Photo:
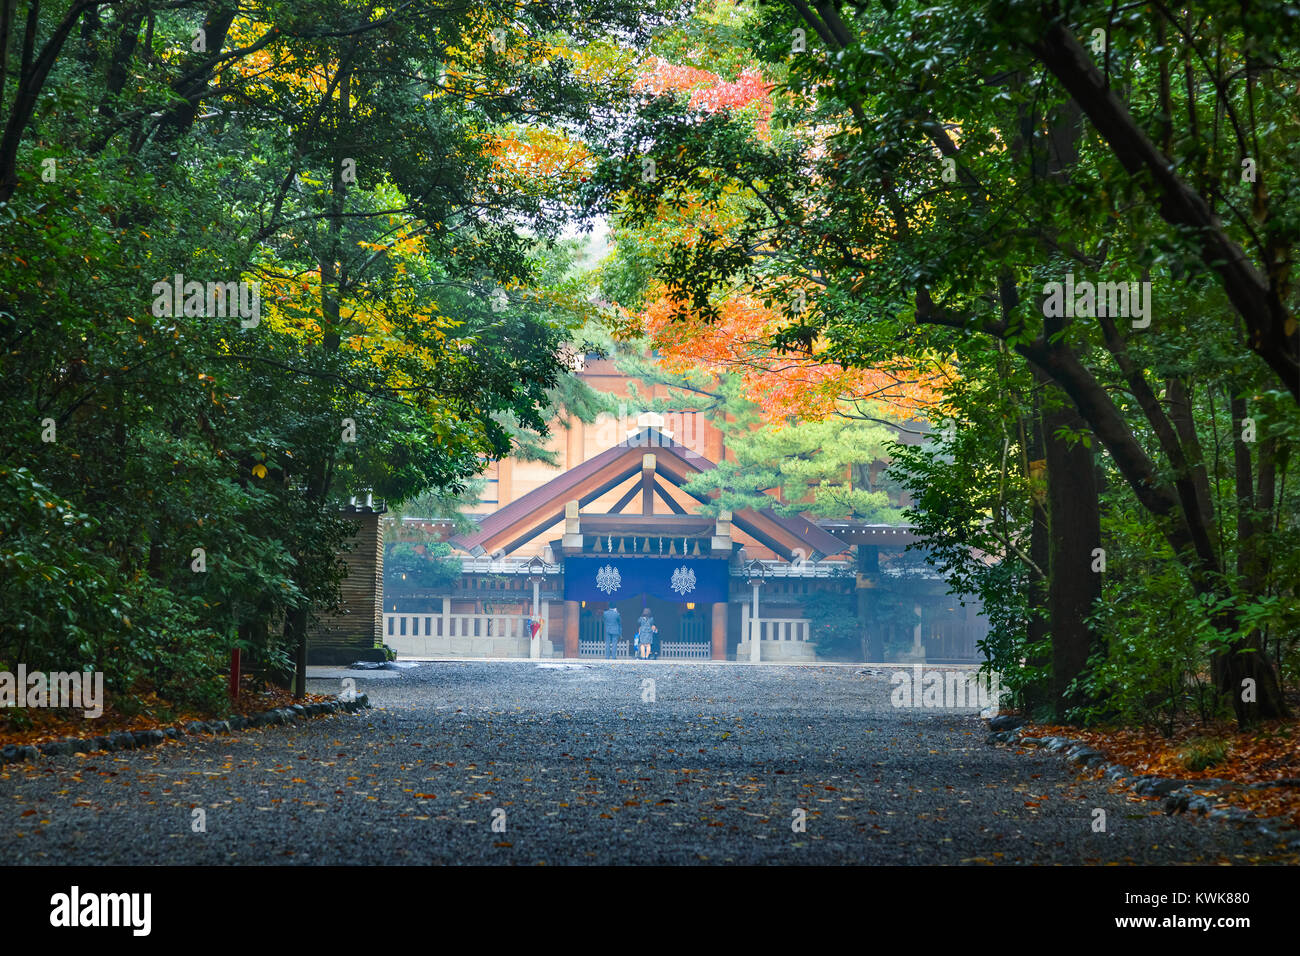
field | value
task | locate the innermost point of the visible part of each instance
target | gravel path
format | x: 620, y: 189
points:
x: 580, y: 767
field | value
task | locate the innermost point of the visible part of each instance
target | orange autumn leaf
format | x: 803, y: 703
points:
x: 784, y: 385
x: 708, y: 91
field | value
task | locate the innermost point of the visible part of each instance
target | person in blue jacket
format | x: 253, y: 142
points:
x: 613, y: 631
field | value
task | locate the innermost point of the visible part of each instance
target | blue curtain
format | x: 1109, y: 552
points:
x: 670, y: 579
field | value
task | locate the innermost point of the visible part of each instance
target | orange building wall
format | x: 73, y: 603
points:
x: 510, y: 479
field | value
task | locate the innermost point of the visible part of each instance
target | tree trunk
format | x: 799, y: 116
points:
x: 295, y: 627
x: 872, y: 639
x: 1073, y: 585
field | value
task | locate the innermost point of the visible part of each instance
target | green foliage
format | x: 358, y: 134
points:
x: 970, y: 508
x: 929, y: 172
x: 824, y: 468
x: 834, y: 627
x: 819, y: 468
x: 345, y: 158
x: 428, y: 565
x: 1203, y: 753
x: 1152, y: 665
x: 438, y: 505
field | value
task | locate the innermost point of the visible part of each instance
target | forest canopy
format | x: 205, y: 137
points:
x: 259, y: 259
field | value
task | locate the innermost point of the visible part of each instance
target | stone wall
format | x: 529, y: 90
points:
x: 433, y: 645
x: 789, y: 651
x: 355, y: 631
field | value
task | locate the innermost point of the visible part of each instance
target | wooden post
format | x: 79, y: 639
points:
x: 720, y: 631
x: 871, y: 640
x: 572, y: 527
x: 234, y: 674
x: 647, y: 484
x: 535, y: 640
x: 570, y: 628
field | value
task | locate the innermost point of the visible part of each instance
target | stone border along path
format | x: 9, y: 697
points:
x: 1180, y: 795
x: 133, y: 739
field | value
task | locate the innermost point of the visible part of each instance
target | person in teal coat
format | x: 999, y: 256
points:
x: 645, y: 632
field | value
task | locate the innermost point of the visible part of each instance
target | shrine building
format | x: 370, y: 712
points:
x: 611, y: 524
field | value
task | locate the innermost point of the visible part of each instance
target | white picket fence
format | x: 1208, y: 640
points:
x: 455, y: 625
x: 597, y: 649
x: 464, y: 635
x: 685, y: 651
x: 774, y: 628
x: 668, y: 650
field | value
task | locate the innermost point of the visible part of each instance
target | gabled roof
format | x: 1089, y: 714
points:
x: 530, y: 515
